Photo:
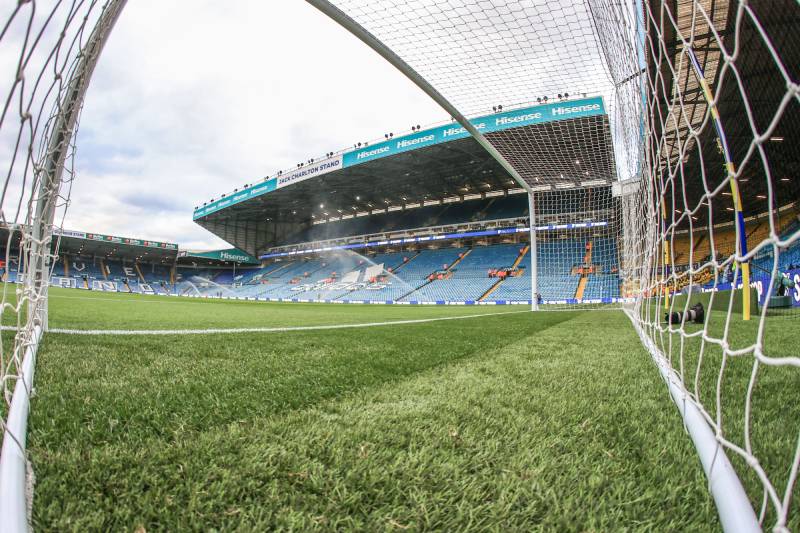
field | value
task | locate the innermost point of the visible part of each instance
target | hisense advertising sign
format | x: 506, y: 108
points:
x: 539, y: 114
x: 232, y: 255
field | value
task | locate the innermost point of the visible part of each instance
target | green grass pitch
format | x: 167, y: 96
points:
x: 515, y: 422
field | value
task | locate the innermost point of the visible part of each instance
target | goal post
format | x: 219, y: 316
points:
x: 60, y: 48
x: 534, y: 258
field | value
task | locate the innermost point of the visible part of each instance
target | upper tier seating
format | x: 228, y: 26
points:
x: 513, y: 206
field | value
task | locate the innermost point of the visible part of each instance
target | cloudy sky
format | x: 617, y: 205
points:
x: 194, y: 98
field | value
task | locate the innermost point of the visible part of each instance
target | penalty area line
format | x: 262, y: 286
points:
x: 285, y: 329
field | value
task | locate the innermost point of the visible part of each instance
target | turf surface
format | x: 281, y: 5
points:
x: 74, y: 309
x: 522, y: 422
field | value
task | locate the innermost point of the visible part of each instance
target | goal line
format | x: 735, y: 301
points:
x: 212, y: 331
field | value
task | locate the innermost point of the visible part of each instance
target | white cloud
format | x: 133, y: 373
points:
x: 192, y: 99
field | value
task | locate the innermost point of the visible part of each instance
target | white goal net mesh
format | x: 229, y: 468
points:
x: 701, y: 103
x: 711, y: 230
x: 48, y: 50
x: 500, y: 56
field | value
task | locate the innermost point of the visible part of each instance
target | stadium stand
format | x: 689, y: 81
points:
x: 602, y: 286
x: 10, y: 270
x: 788, y: 260
x: 581, y: 267
x: 513, y: 289
x: 483, y: 258
x: 157, y: 277
x: 459, y: 274
x: 572, y: 267
x: 480, y: 272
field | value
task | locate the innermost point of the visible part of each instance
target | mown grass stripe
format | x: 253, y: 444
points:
x: 525, y: 423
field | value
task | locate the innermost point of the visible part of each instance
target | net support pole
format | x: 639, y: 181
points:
x: 730, y: 169
x: 347, y: 22
x: 534, y: 266
x: 665, y: 245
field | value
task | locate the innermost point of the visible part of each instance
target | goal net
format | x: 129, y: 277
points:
x: 712, y: 232
x: 697, y: 139
x: 48, y: 50
x: 501, y: 56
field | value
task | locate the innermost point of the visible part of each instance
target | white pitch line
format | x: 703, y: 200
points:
x: 266, y: 330
x: 120, y: 300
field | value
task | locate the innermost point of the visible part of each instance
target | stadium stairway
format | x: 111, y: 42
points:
x: 491, y: 289
x: 283, y: 267
x: 428, y: 281
x: 522, y: 255
x: 500, y: 281
x: 457, y: 261
x: 412, y: 291
x: 587, y: 260
x: 404, y: 263
x: 581, y: 286
x: 700, y: 239
x: 513, y: 288
x: 139, y: 272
